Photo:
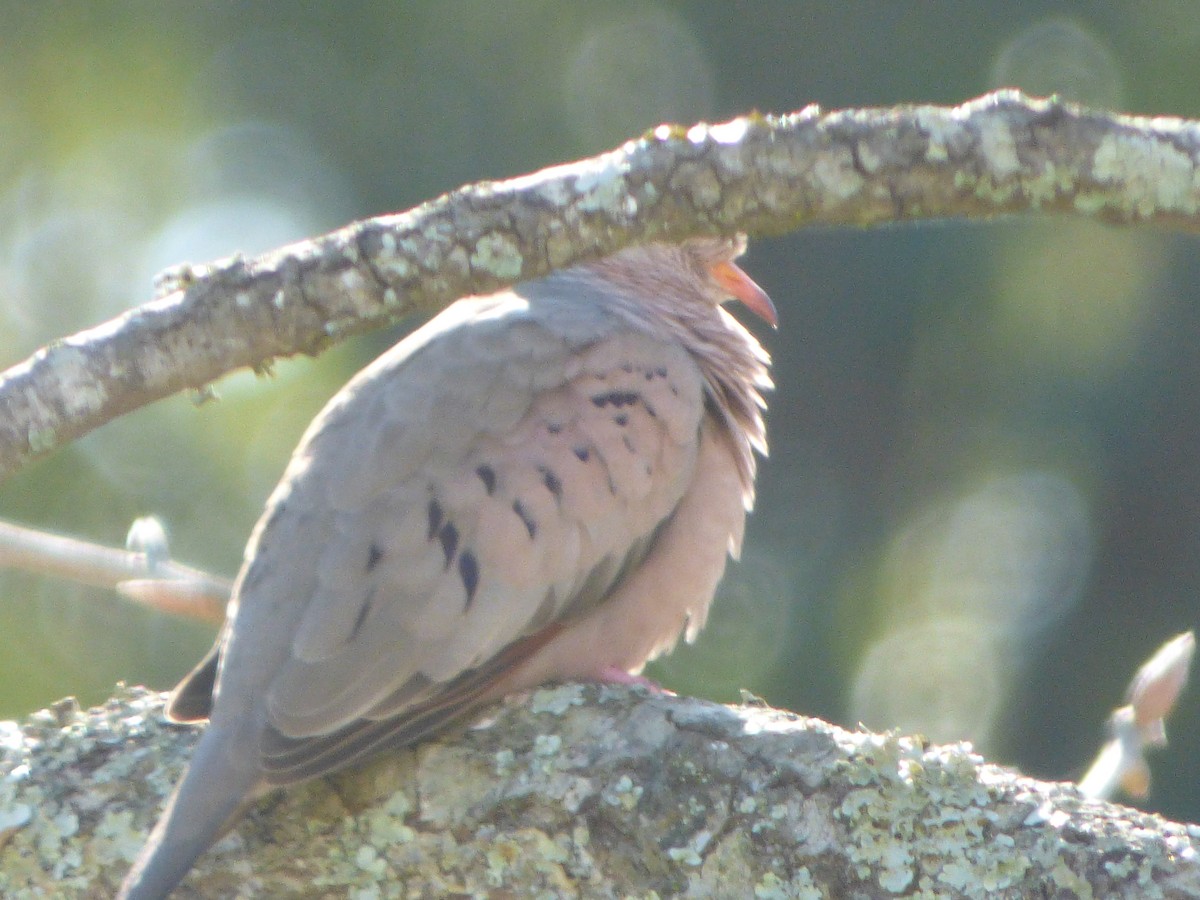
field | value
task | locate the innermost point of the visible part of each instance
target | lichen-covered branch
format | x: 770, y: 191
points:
x: 1002, y: 153
x: 587, y: 791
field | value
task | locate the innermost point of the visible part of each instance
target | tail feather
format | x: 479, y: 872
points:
x: 221, y: 781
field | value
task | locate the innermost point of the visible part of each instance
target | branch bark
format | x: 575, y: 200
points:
x: 587, y: 791
x: 1003, y: 153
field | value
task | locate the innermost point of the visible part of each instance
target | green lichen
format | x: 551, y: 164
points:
x: 499, y: 255
x: 1161, y: 176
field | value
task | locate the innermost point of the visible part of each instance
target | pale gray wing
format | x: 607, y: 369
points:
x: 460, y: 497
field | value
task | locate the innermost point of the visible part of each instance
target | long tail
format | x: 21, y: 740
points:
x: 220, y: 782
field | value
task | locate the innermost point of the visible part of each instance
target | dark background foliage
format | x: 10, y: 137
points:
x: 982, y: 507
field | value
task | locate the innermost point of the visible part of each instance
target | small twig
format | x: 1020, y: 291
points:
x: 1121, y: 764
x: 164, y: 585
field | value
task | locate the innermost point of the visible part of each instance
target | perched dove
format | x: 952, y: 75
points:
x: 539, y: 484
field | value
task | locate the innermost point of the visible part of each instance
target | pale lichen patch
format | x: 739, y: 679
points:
x: 392, y: 266
x: 999, y: 149
x: 1162, y: 177
x: 556, y: 700
x: 600, y: 186
x: 497, y: 254
x: 624, y: 793
x: 351, y: 281
x: 943, y: 133
x: 42, y: 439
x: 547, y: 744
x: 699, y: 182
x: 836, y: 178
x: 70, y: 367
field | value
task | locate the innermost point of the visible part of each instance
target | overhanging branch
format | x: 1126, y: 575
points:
x: 1003, y: 153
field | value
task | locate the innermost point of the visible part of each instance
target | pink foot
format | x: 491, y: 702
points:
x: 617, y: 675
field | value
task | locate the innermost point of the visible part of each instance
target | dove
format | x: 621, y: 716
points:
x: 539, y: 484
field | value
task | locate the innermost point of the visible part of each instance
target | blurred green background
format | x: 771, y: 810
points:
x: 982, y: 508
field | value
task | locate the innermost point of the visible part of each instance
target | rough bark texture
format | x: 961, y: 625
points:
x: 587, y: 791
x: 1003, y: 153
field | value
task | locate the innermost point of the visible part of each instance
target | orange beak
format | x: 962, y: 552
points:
x: 742, y: 287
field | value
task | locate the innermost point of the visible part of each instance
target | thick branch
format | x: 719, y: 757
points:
x: 763, y: 175
x: 586, y: 791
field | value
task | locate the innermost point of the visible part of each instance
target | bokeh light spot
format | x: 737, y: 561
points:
x: 632, y: 72
x: 1060, y: 56
x: 940, y: 678
x: 1075, y: 297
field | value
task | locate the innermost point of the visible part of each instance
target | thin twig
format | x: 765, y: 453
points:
x: 167, y: 585
x: 1121, y: 764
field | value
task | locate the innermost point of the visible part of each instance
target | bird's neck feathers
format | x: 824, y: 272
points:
x: 675, y: 302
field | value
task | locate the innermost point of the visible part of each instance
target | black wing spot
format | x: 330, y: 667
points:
x: 435, y: 518
x: 360, y: 618
x: 627, y: 368
x: 582, y: 454
x: 661, y: 371
x: 449, y: 538
x: 628, y: 444
x: 554, y: 427
x: 621, y: 419
x: 616, y: 399
x: 526, y: 519
x: 374, y: 555
x: 712, y: 407
x: 468, y: 571
x: 488, y: 476
x: 552, y: 482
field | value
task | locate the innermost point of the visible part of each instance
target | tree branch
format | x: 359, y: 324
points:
x: 1002, y: 153
x: 587, y: 791
x: 166, y: 585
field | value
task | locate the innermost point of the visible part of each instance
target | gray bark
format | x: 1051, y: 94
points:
x: 587, y: 791
x: 1002, y: 153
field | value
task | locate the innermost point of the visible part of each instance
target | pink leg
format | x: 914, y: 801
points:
x: 617, y: 675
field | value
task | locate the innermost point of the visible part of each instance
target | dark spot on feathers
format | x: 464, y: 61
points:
x: 553, y: 427
x: 374, y: 555
x: 449, y: 538
x: 435, y: 518
x: 468, y: 571
x: 363, y: 612
x: 488, y: 476
x: 661, y: 372
x: 616, y: 399
x: 712, y: 407
x: 627, y: 368
x: 621, y: 419
x: 526, y: 519
x: 359, y: 619
x: 552, y: 482
x: 628, y: 444
x: 582, y: 454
